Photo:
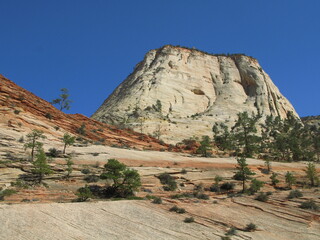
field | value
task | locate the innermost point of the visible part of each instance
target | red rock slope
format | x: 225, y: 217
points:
x: 20, y: 108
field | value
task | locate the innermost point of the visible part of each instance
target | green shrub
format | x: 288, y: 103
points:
x: 251, y: 227
x: 255, y: 186
x: 189, y: 220
x: 149, y: 197
x: 295, y: 194
x: 182, y: 195
x: 262, y: 197
x: 215, y: 188
x: 177, y: 209
x: 157, y: 200
x: 169, y: 181
x: 310, y: 204
x: 203, y: 196
x: 231, y: 231
x: 53, y: 152
x: 84, y: 194
x: 48, y: 115
x: 91, y: 178
x: 227, y: 186
x: 85, y: 171
x: 82, y: 130
x: 6, y: 192
x: 16, y: 111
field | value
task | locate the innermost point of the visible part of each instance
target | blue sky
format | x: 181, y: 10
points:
x: 91, y: 46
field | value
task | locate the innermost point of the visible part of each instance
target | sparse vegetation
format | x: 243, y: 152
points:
x: 84, y: 193
x: 310, y: 204
x: 157, y: 200
x: 262, y: 197
x: 91, y: 178
x: 295, y: 194
x: 85, y: 171
x: 177, y: 209
x: 251, y: 227
x: 6, y: 192
x: 168, y: 181
x: 53, y: 152
x: 189, y: 220
x: 82, y: 129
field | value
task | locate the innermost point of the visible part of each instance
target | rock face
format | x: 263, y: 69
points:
x: 177, y: 93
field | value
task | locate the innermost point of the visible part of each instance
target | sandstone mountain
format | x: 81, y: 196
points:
x: 176, y: 93
x: 21, y: 112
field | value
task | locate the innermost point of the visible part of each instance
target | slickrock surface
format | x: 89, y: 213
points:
x: 195, y: 90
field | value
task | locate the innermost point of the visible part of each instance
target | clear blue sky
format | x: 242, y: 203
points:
x: 91, y: 46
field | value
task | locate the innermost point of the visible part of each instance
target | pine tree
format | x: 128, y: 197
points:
x: 40, y: 166
x: 245, y: 133
x: 63, y: 101
x: 290, y: 179
x: 274, y: 180
x: 243, y: 172
x: 32, y: 141
x: 205, y: 146
x: 68, y: 140
x: 69, y: 168
x: 311, y: 173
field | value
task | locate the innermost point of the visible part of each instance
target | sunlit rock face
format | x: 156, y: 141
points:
x: 176, y: 93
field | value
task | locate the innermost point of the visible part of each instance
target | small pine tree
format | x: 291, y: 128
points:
x: 274, y: 180
x: 32, y: 141
x: 290, y: 179
x: 68, y: 140
x: 267, y: 163
x: 311, y: 173
x: 244, y: 172
x: 204, y: 146
x: 69, y: 168
x: 40, y: 166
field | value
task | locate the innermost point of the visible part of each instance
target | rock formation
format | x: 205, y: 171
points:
x: 176, y: 93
